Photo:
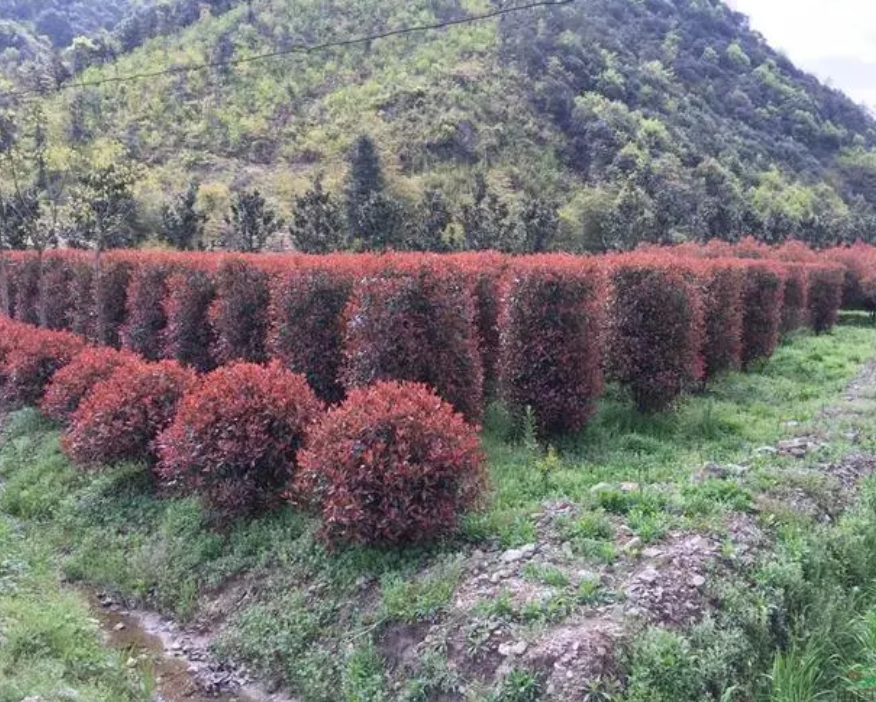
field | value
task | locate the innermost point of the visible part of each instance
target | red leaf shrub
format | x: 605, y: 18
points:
x: 83, y: 312
x: 71, y: 384
x: 143, y: 330
x: 57, y: 283
x: 416, y: 325
x: 307, y: 325
x: 122, y: 415
x: 393, y: 464
x: 111, y: 294
x: 188, y: 336
x: 551, y: 350
x: 239, y: 314
x: 722, y: 286
x: 859, y: 260
x: 655, y: 328
x: 795, y: 306
x: 825, y: 295
x: 34, y: 357
x: 26, y: 277
x: 762, y: 309
x: 236, y: 436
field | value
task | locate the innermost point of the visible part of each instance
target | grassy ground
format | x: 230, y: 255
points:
x: 50, y: 646
x: 317, y: 621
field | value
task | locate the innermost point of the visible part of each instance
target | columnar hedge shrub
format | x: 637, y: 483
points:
x: 551, y: 351
x: 722, y: 283
x: 236, y: 436
x: 762, y: 309
x: 26, y: 275
x: 121, y: 417
x: 825, y: 295
x: 56, y: 287
x: 859, y: 261
x: 795, y: 306
x: 33, y: 358
x: 143, y: 330
x: 655, y: 328
x: 71, y: 384
x: 416, y: 325
x: 188, y: 335
x: 83, y: 307
x: 111, y: 294
x: 239, y: 314
x: 307, y: 324
x: 394, y: 464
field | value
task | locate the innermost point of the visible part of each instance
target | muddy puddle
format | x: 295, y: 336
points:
x: 178, y: 662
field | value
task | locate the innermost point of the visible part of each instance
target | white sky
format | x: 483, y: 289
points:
x: 834, y: 39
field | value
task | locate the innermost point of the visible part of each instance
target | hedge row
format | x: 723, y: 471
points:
x: 536, y: 332
x: 392, y: 464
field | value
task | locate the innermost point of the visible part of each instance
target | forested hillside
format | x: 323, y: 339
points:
x: 594, y: 125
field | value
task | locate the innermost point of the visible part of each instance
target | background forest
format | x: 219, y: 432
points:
x: 590, y: 126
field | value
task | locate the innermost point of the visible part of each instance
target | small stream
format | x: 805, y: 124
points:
x: 178, y: 662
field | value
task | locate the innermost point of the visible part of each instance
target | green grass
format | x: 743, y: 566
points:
x: 50, y: 647
x: 313, y: 617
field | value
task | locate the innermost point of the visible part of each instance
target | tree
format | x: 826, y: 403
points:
x: 364, y: 182
x: 432, y: 222
x: 317, y: 225
x: 487, y: 222
x: 104, y: 209
x: 251, y: 222
x: 182, y: 225
x: 381, y: 221
x: 540, y: 222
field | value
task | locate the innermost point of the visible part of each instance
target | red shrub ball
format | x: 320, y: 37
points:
x: 121, y: 417
x: 71, y: 384
x: 35, y: 357
x: 392, y: 465
x: 236, y: 436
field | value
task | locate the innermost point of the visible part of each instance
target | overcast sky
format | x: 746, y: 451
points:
x: 834, y: 39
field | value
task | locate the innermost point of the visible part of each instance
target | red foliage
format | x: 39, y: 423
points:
x: 188, y: 335
x: 859, y: 287
x: 392, y: 465
x: 307, y: 324
x: 34, y: 356
x: 121, y: 417
x: 551, y: 350
x: 239, y: 314
x: 825, y: 295
x: 58, y: 303
x: 762, y: 309
x: 26, y: 283
x: 795, y: 306
x: 236, y: 436
x: 143, y: 331
x: 722, y: 286
x: 83, y: 312
x: 416, y: 324
x: 111, y: 294
x: 71, y: 384
x: 655, y: 328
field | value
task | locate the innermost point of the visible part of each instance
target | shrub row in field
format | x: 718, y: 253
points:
x: 537, y: 332
x: 392, y: 464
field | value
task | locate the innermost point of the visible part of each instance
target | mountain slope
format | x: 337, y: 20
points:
x: 645, y: 119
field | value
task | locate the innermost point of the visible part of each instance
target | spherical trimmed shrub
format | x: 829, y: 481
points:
x: 71, y: 384
x: 236, y: 436
x: 394, y: 464
x: 35, y: 356
x: 122, y: 415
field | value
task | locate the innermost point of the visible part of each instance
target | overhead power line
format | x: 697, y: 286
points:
x: 295, y: 49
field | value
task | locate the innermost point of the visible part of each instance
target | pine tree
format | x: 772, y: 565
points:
x: 317, y: 224
x: 540, y: 224
x: 487, y: 221
x: 182, y: 226
x: 364, y: 183
x: 433, y: 219
x: 251, y: 222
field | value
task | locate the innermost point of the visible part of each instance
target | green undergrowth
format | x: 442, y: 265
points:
x: 50, y: 646
x: 316, y: 619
